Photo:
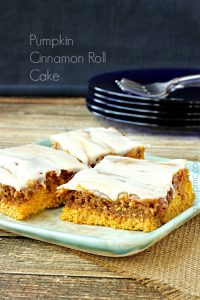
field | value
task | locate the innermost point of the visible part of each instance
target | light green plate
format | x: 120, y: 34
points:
x: 47, y: 226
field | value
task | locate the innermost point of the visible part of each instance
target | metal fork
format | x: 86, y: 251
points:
x: 158, y: 89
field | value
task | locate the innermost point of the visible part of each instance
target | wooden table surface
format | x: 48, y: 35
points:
x: 31, y: 269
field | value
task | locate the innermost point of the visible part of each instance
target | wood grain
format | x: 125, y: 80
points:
x: 44, y: 259
x: 64, y: 287
x: 37, y: 118
x: 35, y: 270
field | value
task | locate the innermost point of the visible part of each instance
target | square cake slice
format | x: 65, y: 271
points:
x: 29, y: 176
x: 128, y: 193
x: 90, y: 145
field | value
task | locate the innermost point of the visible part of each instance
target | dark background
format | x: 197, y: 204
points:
x: 135, y: 34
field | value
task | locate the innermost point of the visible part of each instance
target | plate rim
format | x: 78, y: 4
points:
x: 157, y: 114
x: 156, y: 105
x: 178, y: 122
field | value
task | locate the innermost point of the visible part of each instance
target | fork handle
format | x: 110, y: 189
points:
x: 185, y: 81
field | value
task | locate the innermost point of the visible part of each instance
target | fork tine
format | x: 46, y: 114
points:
x: 135, y: 88
x: 142, y: 90
x: 117, y: 82
x: 124, y: 82
x: 120, y: 85
x: 139, y: 93
x: 132, y: 83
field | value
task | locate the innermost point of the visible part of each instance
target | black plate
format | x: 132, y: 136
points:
x: 137, y: 119
x: 105, y: 84
x: 185, y: 111
x: 150, y: 104
x: 144, y: 114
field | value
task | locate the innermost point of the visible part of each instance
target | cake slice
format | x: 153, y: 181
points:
x: 128, y: 193
x: 29, y: 176
x: 90, y: 145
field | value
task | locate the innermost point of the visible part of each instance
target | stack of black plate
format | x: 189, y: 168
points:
x: 179, y: 109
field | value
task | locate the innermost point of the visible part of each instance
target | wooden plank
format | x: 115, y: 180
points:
x: 62, y: 287
x: 37, y: 118
x: 43, y: 100
x: 45, y: 108
x: 26, y: 256
x: 175, y: 152
x: 7, y: 234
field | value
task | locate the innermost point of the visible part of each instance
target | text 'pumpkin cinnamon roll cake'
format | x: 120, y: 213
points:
x: 128, y: 193
x: 90, y: 145
x: 29, y: 176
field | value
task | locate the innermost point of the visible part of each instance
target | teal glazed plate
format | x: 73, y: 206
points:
x: 47, y: 226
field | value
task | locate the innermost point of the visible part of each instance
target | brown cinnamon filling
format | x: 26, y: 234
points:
x: 125, y: 205
x: 52, y: 181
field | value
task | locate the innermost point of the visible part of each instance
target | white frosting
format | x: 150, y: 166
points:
x: 115, y: 175
x: 89, y: 144
x: 22, y: 164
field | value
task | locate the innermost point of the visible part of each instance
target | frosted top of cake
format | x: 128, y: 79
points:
x: 23, y: 164
x: 91, y: 143
x: 116, y: 175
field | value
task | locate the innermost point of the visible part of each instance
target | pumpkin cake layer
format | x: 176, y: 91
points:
x: 128, y: 193
x: 29, y: 176
x: 92, y: 144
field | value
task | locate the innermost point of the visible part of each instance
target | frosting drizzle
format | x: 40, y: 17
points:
x: 22, y: 164
x: 116, y: 175
x: 90, y: 143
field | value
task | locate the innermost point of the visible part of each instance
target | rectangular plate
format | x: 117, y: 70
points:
x: 47, y: 226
